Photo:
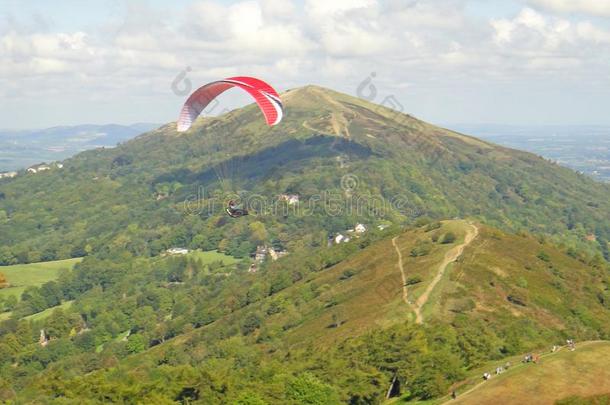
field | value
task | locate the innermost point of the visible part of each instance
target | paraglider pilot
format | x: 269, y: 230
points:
x: 235, y: 211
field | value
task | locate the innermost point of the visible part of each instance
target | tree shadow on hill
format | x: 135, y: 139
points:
x: 287, y: 156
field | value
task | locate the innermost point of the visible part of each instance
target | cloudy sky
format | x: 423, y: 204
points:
x: 446, y: 61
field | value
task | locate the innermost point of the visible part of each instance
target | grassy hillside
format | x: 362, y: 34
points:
x: 22, y: 276
x: 167, y: 189
x: 499, y: 281
x: 47, y: 312
x: 579, y: 373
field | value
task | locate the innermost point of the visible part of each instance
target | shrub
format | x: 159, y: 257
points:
x: 307, y: 389
x: 136, y: 344
x: 432, y: 226
x: 250, y: 324
x: 413, y: 280
x: 449, y: 237
x: 516, y: 300
x: 347, y: 274
x: 421, y: 221
x: 422, y: 248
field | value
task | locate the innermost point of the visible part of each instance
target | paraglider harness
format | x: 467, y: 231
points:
x: 234, y: 211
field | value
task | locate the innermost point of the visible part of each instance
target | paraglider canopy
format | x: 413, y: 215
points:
x: 265, y: 96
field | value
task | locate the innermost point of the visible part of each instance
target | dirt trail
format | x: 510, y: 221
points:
x: 405, y: 294
x: 450, y: 257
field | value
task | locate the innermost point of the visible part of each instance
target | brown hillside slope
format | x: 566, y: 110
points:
x: 498, y: 278
x: 583, y: 372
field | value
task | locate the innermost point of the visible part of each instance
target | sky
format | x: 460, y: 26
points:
x: 523, y: 62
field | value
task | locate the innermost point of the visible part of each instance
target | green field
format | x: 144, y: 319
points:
x: 21, y: 276
x: 47, y: 312
x: 212, y: 256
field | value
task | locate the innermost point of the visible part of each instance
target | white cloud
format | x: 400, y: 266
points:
x: 591, y: 7
x: 436, y: 47
x: 591, y: 33
x: 535, y: 33
x: 325, y: 9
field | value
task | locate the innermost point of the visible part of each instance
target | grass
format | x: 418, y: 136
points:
x: 583, y: 372
x: 212, y: 256
x: 21, y: 276
x: 558, y: 375
x: 47, y: 312
x: 372, y: 298
x: 477, y: 285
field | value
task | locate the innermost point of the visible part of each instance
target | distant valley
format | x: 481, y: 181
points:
x: 585, y: 148
x: 22, y: 148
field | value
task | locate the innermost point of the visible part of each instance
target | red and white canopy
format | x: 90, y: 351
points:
x: 265, y: 96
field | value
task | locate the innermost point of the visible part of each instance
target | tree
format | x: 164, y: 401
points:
x: 250, y: 324
x: 6, y: 257
x: 10, y: 302
x: 31, y: 302
x: 449, y: 237
x: 85, y: 341
x: 144, y: 319
x: 258, y: 232
x: 307, y: 389
x: 3, y: 281
x: 136, y: 344
x: 51, y: 293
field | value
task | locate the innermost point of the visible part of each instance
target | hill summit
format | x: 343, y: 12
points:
x: 329, y: 144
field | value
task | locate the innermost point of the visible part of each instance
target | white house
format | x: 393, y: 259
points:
x: 276, y: 254
x: 291, y: 199
x: 8, y: 175
x: 340, y: 238
x: 359, y: 228
x: 38, y: 168
x: 177, y: 251
x: 261, y: 253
